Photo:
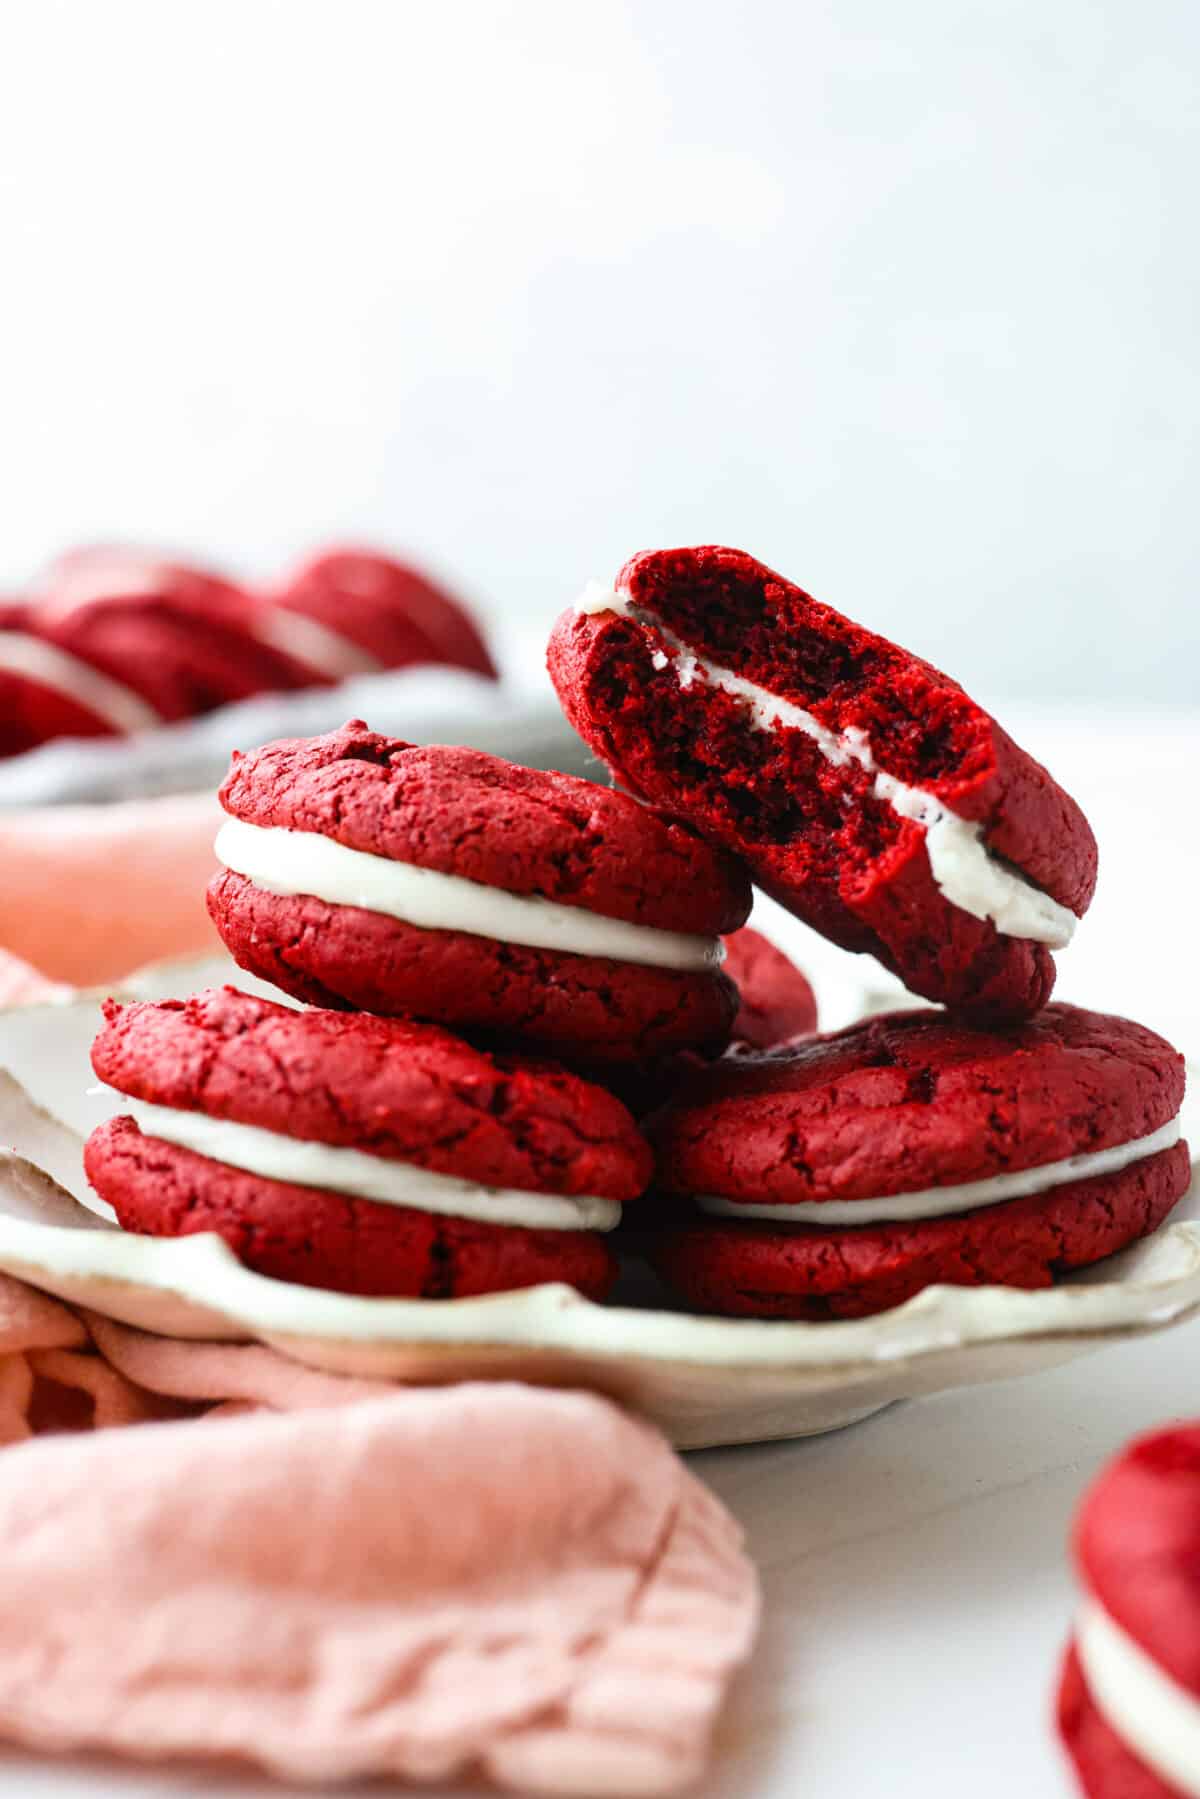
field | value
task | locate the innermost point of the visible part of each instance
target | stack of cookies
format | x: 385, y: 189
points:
x: 503, y: 971
x: 465, y: 936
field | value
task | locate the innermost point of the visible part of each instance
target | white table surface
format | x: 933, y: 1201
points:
x: 914, y: 1567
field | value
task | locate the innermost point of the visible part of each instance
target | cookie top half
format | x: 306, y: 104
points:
x: 914, y: 1101
x: 465, y: 813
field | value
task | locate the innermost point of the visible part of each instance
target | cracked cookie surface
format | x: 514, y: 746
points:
x: 901, y: 1105
x: 393, y: 1089
x: 539, y: 836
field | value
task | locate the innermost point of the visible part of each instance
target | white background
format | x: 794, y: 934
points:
x: 900, y: 297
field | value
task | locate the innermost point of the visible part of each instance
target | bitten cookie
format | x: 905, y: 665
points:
x: 363, y: 872
x: 1129, y: 1696
x: 367, y: 1155
x: 865, y: 790
x: 351, y: 612
x: 840, y: 1176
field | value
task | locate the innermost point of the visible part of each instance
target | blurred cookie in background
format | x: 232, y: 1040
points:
x: 1129, y: 1695
x: 355, y: 611
x: 113, y: 640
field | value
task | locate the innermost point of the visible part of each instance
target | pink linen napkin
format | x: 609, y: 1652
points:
x: 92, y: 892
x: 349, y: 1578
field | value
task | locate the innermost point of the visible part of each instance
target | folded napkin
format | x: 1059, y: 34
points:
x: 349, y: 1578
x: 92, y: 892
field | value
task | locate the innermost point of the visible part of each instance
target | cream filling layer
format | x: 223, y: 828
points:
x: 1158, y: 1719
x: 964, y: 870
x: 51, y: 667
x: 304, y: 862
x: 307, y: 640
x: 969, y: 1196
x: 361, y: 1176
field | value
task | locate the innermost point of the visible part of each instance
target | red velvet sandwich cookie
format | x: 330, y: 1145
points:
x: 840, y: 1176
x: 367, y: 1155
x: 865, y: 790
x: 170, y: 641
x: 352, y: 612
x: 361, y: 871
x: 1129, y: 1698
x: 776, y: 1002
x: 45, y: 693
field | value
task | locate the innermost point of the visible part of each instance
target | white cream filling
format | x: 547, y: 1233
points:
x: 116, y: 704
x: 1157, y: 1718
x: 362, y: 1176
x: 969, y: 1196
x: 304, y: 862
x: 964, y: 871
x: 307, y: 640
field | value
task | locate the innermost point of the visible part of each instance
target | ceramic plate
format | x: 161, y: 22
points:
x: 705, y: 1380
